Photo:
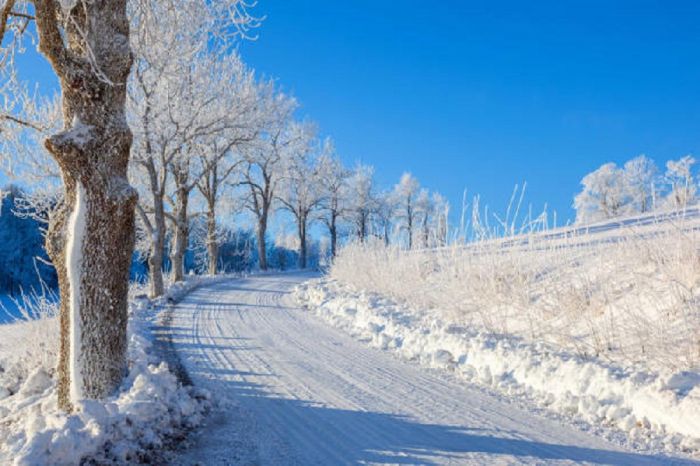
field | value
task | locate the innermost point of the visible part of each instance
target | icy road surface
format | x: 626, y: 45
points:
x: 293, y: 391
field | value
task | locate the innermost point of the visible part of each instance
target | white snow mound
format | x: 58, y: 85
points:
x: 135, y: 426
x: 659, y: 410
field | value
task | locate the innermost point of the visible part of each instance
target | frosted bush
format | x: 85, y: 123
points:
x: 629, y: 295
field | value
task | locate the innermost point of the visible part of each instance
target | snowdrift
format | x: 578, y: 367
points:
x: 658, y: 410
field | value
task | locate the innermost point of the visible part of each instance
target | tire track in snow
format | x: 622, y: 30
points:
x: 304, y: 393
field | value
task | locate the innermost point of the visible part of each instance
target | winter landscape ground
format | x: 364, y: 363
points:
x: 193, y: 271
x: 398, y: 364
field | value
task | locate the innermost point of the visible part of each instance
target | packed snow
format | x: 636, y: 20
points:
x: 291, y: 389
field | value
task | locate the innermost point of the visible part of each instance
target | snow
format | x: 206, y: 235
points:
x: 290, y: 389
x: 74, y: 266
x: 657, y: 410
x: 68, y: 5
x: 141, y: 424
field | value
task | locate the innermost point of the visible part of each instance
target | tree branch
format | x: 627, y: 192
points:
x: 21, y: 122
x: 4, y: 16
x: 50, y: 38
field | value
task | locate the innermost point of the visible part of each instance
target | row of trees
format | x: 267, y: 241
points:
x: 636, y: 187
x: 160, y: 124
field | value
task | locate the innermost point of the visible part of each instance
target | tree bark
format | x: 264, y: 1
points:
x: 302, y: 241
x: 333, y: 231
x: 91, y: 240
x: 155, y: 258
x: 363, y: 227
x: 212, y: 240
x: 409, y: 223
x: 262, y: 247
x: 182, y: 234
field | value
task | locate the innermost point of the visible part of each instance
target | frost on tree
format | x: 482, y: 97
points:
x: 191, y: 101
x: 263, y: 165
x: 681, y: 182
x: 334, y: 191
x: 362, y: 199
x: 90, y: 239
x: 406, y: 192
x: 603, y: 195
x: 301, y: 192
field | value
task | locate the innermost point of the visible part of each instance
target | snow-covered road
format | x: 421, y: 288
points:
x: 296, y: 391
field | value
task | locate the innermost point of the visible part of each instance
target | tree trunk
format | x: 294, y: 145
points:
x: 262, y: 248
x: 363, y: 227
x: 333, y: 230
x: 91, y: 240
x: 302, y: 242
x: 182, y: 234
x: 409, y: 224
x: 155, y: 258
x: 426, y: 232
x: 212, y: 240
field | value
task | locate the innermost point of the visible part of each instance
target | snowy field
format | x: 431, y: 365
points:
x: 151, y: 411
x: 598, y: 326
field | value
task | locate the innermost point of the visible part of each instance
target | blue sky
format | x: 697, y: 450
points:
x: 484, y: 95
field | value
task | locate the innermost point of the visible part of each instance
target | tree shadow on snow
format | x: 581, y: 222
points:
x: 340, y: 436
x: 323, y: 435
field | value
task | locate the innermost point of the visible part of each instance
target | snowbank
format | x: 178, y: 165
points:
x: 659, y: 410
x: 150, y: 411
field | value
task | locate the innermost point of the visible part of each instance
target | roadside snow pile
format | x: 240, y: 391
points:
x: 151, y: 411
x: 658, y: 410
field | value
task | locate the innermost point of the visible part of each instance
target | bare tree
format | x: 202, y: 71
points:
x: 211, y: 186
x: 385, y: 208
x: 234, y: 116
x: 405, y: 192
x: 640, y: 179
x: 425, y: 210
x: 603, y: 195
x: 300, y: 192
x: 183, y: 76
x: 441, y: 212
x: 263, y: 166
x: 361, y: 199
x: 679, y: 175
x: 334, y: 185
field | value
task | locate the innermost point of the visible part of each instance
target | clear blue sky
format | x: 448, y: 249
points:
x: 483, y: 95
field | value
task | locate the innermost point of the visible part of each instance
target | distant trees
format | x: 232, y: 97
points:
x: 300, y: 191
x: 681, y: 183
x: 611, y: 191
x: 264, y: 164
x: 22, y: 255
x: 333, y: 179
x: 405, y: 193
x: 603, y: 195
x: 361, y: 199
x: 640, y: 183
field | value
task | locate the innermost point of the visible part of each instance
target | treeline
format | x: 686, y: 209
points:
x: 23, y: 262
x: 635, y: 188
x: 217, y: 149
